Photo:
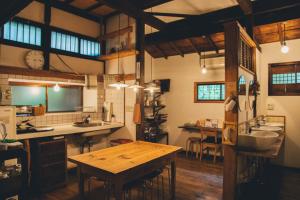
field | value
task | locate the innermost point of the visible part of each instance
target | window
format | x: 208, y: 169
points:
x: 67, y: 99
x: 22, y: 32
x: 209, y: 92
x: 284, y: 79
x: 70, y: 43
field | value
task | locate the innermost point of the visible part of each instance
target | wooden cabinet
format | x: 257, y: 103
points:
x: 49, y: 164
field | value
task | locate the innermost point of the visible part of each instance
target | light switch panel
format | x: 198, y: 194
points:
x: 270, y: 107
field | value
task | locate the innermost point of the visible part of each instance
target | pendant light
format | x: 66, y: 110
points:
x: 151, y: 87
x: 56, y: 87
x: 136, y: 86
x: 284, y: 48
x: 118, y: 85
x: 203, y: 68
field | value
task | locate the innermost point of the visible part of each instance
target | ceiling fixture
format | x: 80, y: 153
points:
x: 284, y: 48
x: 118, y: 85
x: 136, y: 86
x: 151, y: 87
x: 56, y: 87
x: 203, y: 68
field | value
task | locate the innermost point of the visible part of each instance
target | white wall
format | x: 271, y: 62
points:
x: 180, y: 105
x: 284, y: 105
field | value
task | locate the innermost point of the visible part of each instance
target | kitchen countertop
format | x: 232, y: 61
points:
x: 68, y: 129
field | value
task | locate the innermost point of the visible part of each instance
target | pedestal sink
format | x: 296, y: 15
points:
x: 258, y: 140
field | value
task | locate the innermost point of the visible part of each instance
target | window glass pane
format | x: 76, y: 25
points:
x: 20, y: 33
x: 7, y: 30
x: 288, y: 78
x: 38, y: 38
x: 32, y: 35
x: 13, y: 31
x: 53, y: 39
x: 66, y: 99
x: 28, y: 95
x: 65, y: 42
x: 211, y: 92
x: 58, y: 40
x: 26, y: 33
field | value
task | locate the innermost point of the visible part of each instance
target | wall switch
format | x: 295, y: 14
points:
x: 270, y: 107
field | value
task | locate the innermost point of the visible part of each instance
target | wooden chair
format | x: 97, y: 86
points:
x: 212, y: 142
x: 191, y: 144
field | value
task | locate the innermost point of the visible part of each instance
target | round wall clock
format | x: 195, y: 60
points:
x: 35, y: 59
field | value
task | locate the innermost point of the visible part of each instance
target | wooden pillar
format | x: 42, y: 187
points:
x: 47, y: 34
x: 140, y: 61
x: 232, y: 39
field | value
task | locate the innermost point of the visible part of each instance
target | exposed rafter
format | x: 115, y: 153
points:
x: 264, y: 12
x: 212, y: 43
x: 194, y: 46
x: 175, y: 48
x: 69, y: 1
x: 161, y: 51
x: 131, y: 10
x: 171, y: 14
x: 94, y: 6
x: 246, y: 6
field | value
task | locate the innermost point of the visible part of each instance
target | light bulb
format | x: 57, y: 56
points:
x: 35, y: 90
x: 151, y: 91
x: 284, y: 48
x: 203, y: 70
x: 56, y: 88
x: 135, y: 89
x: 118, y: 88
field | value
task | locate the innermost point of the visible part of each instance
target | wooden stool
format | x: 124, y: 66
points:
x: 213, y: 143
x: 190, y: 145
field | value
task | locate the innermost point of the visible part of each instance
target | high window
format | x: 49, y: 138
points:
x: 284, y: 79
x: 209, y: 92
x: 22, y: 32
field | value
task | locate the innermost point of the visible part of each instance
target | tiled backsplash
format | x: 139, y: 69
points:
x: 51, y: 118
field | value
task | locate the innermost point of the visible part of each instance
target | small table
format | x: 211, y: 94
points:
x: 125, y: 163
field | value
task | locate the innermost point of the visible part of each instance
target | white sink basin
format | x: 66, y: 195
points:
x: 258, y: 140
x: 267, y: 128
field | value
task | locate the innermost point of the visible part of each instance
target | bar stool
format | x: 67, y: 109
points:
x: 191, y: 144
x: 211, y: 143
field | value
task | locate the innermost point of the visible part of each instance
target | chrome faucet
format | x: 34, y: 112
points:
x: 87, y: 119
x: 247, y: 128
x: 3, y: 130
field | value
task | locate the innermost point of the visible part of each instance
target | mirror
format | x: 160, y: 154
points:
x: 242, y: 93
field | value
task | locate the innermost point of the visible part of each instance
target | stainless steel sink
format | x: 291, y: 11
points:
x: 85, y: 125
x: 258, y: 140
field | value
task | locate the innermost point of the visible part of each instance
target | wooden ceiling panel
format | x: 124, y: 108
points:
x: 103, y: 10
x: 83, y: 4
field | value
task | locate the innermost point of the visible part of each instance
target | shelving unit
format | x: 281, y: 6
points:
x: 154, y: 119
x: 122, y: 54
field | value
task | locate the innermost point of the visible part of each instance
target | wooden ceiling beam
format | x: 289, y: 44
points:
x: 131, y: 10
x: 175, y: 48
x: 10, y: 8
x: 161, y: 51
x: 212, y: 43
x: 171, y: 14
x: 150, y: 4
x: 94, y: 6
x: 246, y: 6
x: 69, y: 1
x: 72, y: 9
x: 264, y: 12
x: 280, y: 33
x: 194, y: 46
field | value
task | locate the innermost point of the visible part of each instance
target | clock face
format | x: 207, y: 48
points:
x: 35, y: 59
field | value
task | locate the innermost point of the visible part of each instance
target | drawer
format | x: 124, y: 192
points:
x: 52, y: 158
x: 52, y: 147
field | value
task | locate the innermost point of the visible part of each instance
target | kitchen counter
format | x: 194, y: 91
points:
x: 68, y: 129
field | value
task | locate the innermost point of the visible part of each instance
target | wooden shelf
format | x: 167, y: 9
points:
x: 117, y: 33
x: 122, y: 54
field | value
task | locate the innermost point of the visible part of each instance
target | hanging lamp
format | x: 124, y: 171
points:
x: 118, y: 85
x: 284, y: 48
x: 203, y: 68
x: 151, y: 86
x: 136, y: 86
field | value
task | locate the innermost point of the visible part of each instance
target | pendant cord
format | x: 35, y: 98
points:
x: 150, y: 55
x: 118, y: 48
x: 284, y: 34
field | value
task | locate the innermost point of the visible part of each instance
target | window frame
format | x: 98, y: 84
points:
x: 46, y: 90
x: 196, y: 100
x: 271, y: 92
x: 21, y: 44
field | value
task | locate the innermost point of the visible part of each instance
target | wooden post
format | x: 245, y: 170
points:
x: 232, y: 39
x: 140, y: 60
x: 47, y: 34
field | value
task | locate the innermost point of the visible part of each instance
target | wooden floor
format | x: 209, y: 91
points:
x: 198, y: 181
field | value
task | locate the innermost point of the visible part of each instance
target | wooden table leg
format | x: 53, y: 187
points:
x: 119, y: 190
x: 173, y: 180
x: 81, y: 183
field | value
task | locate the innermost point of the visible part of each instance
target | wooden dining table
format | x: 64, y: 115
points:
x: 126, y: 163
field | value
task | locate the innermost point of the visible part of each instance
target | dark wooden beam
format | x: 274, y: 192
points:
x: 194, y: 46
x: 94, y: 6
x: 171, y: 14
x: 9, y: 8
x: 68, y: 1
x: 162, y: 52
x: 246, y: 6
x: 212, y: 43
x: 150, y: 4
x: 264, y: 12
x: 47, y: 34
x: 72, y: 9
x: 131, y: 10
x: 280, y: 33
x: 174, y: 46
